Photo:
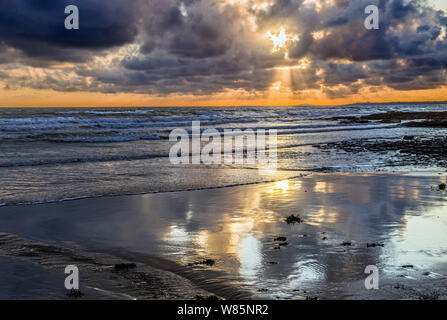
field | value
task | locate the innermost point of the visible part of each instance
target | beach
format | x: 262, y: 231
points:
x: 237, y: 228
x: 96, y: 188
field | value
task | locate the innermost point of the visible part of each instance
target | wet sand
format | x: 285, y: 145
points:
x: 172, y: 233
x: 33, y: 269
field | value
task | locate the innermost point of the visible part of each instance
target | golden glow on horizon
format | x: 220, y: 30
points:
x: 25, y: 97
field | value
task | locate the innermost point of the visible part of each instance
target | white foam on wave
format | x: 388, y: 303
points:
x: 56, y: 123
x: 105, y: 139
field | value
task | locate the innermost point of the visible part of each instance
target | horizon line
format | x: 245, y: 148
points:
x: 241, y: 106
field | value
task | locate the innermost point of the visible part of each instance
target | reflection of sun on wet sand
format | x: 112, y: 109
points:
x: 349, y: 221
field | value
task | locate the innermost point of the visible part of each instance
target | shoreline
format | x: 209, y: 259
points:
x: 302, y: 173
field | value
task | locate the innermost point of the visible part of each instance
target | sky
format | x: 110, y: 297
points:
x: 221, y: 52
x: 439, y: 4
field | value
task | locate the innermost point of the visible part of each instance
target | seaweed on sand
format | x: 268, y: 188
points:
x: 124, y: 266
x: 292, y: 219
x: 207, y: 298
x: 74, y: 293
x: 207, y: 262
x: 374, y: 244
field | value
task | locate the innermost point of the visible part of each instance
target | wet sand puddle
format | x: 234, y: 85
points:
x: 239, y: 235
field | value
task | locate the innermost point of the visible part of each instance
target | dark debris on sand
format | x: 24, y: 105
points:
x: 280, y: 239
x: 292, y: 219
x: 74, y: 293
x: 206, y: 262
x: 442, y: 187
x: 346, y: 243
x: 208, y: 298
x: 374, y: 244
x: 124, y: 266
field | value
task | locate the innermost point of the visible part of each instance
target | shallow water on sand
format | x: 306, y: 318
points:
x: 237, y: 226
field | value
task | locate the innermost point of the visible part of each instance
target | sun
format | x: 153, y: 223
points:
x: 280, y: 39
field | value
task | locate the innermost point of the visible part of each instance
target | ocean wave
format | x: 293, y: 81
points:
x: 35, y: 121
x: 206, y: 117
x: 300, y: 129
x: 338, y: 129
x: 58, y: 123
x: 43, y: 162
x: 103, y: 139
x: 155, y: 131
x: 80, y: 137
x: 16, y: 124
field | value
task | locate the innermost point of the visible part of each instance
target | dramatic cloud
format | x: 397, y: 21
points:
x: 36, y: 28
x: 204, y: 47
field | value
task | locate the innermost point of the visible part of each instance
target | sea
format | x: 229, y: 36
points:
x: 58, y: 154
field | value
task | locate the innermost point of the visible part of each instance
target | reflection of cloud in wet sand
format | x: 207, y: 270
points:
x: 236, y: 227
x: 359, y: 208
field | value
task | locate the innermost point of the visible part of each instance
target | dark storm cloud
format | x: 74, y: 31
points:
x: 347, y: 38
x: 343, y: 73
x: 207, y: 46
x: 397, y: 39
x: 36, y: 27
x: 206, y: 30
